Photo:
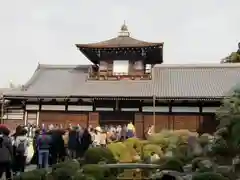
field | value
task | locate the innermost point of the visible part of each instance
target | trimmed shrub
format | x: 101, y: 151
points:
x: 120, y: 152
x: 196, y: 162
x: 181, y: 152
x: 70, y: 164
x: 149, y: 149
x: 98, y: 154
x: 80, y: 176
x: 65, y: 170
x: 171, y: 139
x: 227, y: 171
x: 184, y: 133
x: 204, y: 139
x: 209, y: 176
x: 160, y: 138
x: 220, y: 147
x: 145, y: 142
x: 222, y: 132
x: 134, y: 145
x: 63, y: 174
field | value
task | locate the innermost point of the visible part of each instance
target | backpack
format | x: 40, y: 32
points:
x: 20, y: 149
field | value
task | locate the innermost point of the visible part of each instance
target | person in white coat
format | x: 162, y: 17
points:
x: 97, y: 136
x: 21, y: 150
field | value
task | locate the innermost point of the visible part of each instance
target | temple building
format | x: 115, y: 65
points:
x: 127, y: 82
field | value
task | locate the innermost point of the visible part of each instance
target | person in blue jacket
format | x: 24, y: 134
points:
x: 44, y: 142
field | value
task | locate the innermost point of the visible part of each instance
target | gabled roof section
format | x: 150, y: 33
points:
x: 53, y: 80
x: 4, y: 90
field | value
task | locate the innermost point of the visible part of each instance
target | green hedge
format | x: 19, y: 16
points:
x: 38, y: 174
x: 65, y: 170
x: 97, y: 172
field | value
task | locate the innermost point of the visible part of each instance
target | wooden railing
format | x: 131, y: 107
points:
x: 98, y: 76
x: 95, y: 74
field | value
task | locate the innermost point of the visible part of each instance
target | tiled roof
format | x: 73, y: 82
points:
x: 4, y: 90
x: 120, y: 41
x: 195, y: 80
x: 178, y: 81
x: 123, y: 88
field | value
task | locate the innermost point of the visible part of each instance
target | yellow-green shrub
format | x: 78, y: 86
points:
x: 184, y: 133
x: 171, y: 139
x: 159, y: 139
x: 120, y: 151
x: 152, y: 148
x: 204, y: 139
x: 181, y: 152
x: 145, y: 142
x: 134, y: 145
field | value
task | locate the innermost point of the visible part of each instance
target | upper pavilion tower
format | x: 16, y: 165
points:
x: 122, y: 57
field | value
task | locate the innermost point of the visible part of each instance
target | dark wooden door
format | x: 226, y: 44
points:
x: 115, y: 118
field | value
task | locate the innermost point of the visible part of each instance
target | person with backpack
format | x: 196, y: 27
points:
x: 6, y: 151
x: 21, y: 145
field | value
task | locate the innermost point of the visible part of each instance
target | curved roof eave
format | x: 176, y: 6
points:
x: 120, y: 42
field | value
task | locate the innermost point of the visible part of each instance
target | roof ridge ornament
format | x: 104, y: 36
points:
x: 124, y: 31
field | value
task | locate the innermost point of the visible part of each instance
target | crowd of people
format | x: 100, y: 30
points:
x: 53, y: 144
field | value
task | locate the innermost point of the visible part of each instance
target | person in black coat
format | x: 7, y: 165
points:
x: 35, y: 155
x: 73, y: 142
x: 57, y: 150
x: 6, y: 151
x: 86, y: 141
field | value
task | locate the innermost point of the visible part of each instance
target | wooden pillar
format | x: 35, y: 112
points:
x: 154, y: 112
x: 93, y: 119
x: 139, y: 124
x: 200, y: 117
x: 26, y: 117
x: 2, y: 109
x: 116, y: 108
x: 38, y: 115
x: 94, y: 105
x: 140, y: 105
x: 40, y: 104
x: 39, y: 122
x: 171, y: 117
x: 66, y: 104
x: 24, y: 111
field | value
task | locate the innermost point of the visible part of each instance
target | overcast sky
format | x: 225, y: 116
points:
x: 45, y: 31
